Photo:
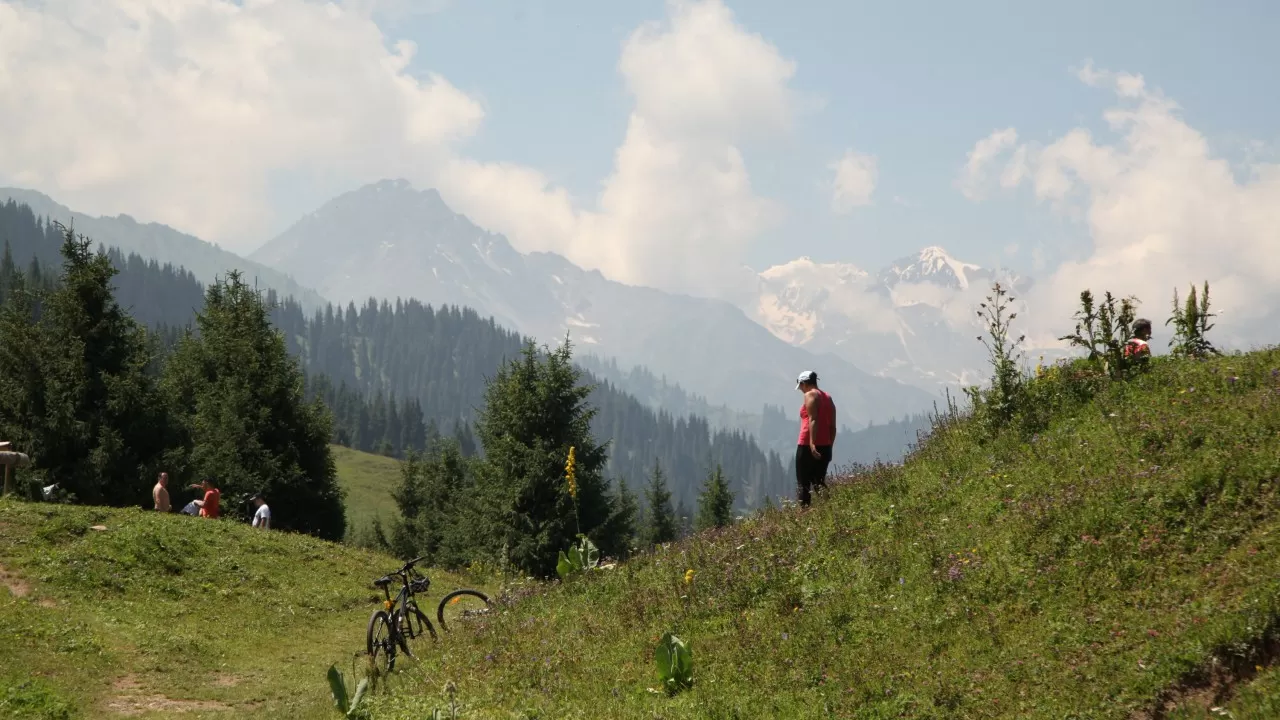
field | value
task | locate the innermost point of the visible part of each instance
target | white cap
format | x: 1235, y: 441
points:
x: 808, y: 376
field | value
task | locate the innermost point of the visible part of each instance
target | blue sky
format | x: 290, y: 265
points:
x: 665, y: 143
x: 913, y: 83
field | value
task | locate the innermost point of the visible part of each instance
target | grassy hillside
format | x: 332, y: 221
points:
x: 1095, y: 569
x: 159, y: 615
x: 368, y: 480
x: 1119, y: 563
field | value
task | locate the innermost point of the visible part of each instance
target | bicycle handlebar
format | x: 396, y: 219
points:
x: 403, y: 573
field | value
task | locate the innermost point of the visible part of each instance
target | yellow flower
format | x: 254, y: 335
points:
x: 570, y: 473
x: 688, y: 576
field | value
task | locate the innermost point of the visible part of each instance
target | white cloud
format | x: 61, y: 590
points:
x: 973, y: 177
x: 678, y: 208
x: 183, y: 112
x: 855, y: 180
x: 1161, y: 209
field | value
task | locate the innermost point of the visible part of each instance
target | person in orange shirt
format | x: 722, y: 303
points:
x: 212, y: 497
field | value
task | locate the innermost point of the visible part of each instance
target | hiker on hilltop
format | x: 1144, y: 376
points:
x: 1137, y: 348
x: 817, y: 435
x: 212, y: 499
x: 160, y: 493
x: 262, y: 516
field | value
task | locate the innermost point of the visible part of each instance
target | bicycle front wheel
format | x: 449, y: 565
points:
x: 381, y: 642
x: 461, y: 605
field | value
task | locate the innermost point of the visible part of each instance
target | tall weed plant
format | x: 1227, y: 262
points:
x: 1191, y: 324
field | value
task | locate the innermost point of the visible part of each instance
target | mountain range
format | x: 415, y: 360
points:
x: 886, y: 343
x: 390, y: 240
x: 912, y: 321
x: 165, y: 245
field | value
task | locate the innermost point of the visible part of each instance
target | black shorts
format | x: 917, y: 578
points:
x: 809, y: 469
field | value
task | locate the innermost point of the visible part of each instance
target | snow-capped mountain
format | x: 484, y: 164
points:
x: 914, y: 320
x: 389, y: 240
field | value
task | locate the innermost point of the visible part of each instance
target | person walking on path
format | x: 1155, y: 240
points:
x: 160, y: 493
x: 817, y: 436
x: 212, y: 499
x: 262, y: 516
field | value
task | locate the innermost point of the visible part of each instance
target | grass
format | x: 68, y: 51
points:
x: 368, y: 480
x: 162, y: 614
x: 1100, y: 567
x: 1086, y: 571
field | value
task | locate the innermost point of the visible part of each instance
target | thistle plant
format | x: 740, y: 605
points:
x: 1191, y: 324
x: 1005, y: 354
x: 1102, y: 329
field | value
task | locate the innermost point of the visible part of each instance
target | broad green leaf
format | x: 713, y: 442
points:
x: 361, y: 688
x: 338, y: 689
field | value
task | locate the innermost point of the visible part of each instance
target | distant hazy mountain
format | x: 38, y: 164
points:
x: 772, y: 428
x: 914, y: 320
x: 388, y: 240
x: 164, y: 244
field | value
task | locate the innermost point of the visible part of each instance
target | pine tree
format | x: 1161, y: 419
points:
x: 623, y: 522
x: 430, y: 498
x: 660, y: 517
x: 535, y: 410
x: 78, y: 396
x: 236, y: 397
x: 715, y: 504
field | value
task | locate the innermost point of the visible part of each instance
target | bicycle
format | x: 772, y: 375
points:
x: 401, y: 620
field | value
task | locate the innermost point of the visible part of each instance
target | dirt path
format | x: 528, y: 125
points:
x: 17, y: 586
x: 130, y: 698
x: 1215, y: 685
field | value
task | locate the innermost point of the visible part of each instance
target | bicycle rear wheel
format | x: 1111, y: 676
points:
x: 460, y: 605
x: 381, y: 642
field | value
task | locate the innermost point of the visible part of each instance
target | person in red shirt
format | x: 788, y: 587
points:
x: 817, y: 435
x: 209, y: 506
x: 1138, y: 349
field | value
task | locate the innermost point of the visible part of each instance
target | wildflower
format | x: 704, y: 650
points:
x: 688, y: 576
x: 570, y: 473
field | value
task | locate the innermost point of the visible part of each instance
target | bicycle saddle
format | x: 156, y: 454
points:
x: 382, y: 582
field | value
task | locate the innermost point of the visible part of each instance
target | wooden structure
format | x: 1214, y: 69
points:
x: 11, y: 460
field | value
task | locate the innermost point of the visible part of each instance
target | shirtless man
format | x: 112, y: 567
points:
x: 160, y: 493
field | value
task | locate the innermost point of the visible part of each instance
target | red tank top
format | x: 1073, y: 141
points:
x: 824, y: 428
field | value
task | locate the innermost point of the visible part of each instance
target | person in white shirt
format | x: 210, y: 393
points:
x: 262, y: 517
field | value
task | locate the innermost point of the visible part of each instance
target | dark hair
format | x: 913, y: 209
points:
x: 1141, y: 324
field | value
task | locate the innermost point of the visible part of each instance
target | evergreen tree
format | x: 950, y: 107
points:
x: 465, y: 438
x: 622, y: 524
x: 715, y: 504
x: 660, y: 518
x: 430, y: 500
x: 237, y: 400
x: 535, y: 410
x: 77, y: 395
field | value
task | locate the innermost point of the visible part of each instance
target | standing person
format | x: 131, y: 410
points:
x: 1137, y: 348
x: 160, y: 493
x: 817, y: 435
x: 212, y: 499
x: 262, y: 516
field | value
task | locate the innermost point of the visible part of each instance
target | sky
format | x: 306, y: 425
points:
x: 670, y: 143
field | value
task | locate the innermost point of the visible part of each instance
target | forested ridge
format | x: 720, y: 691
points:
x: 393, y: 374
